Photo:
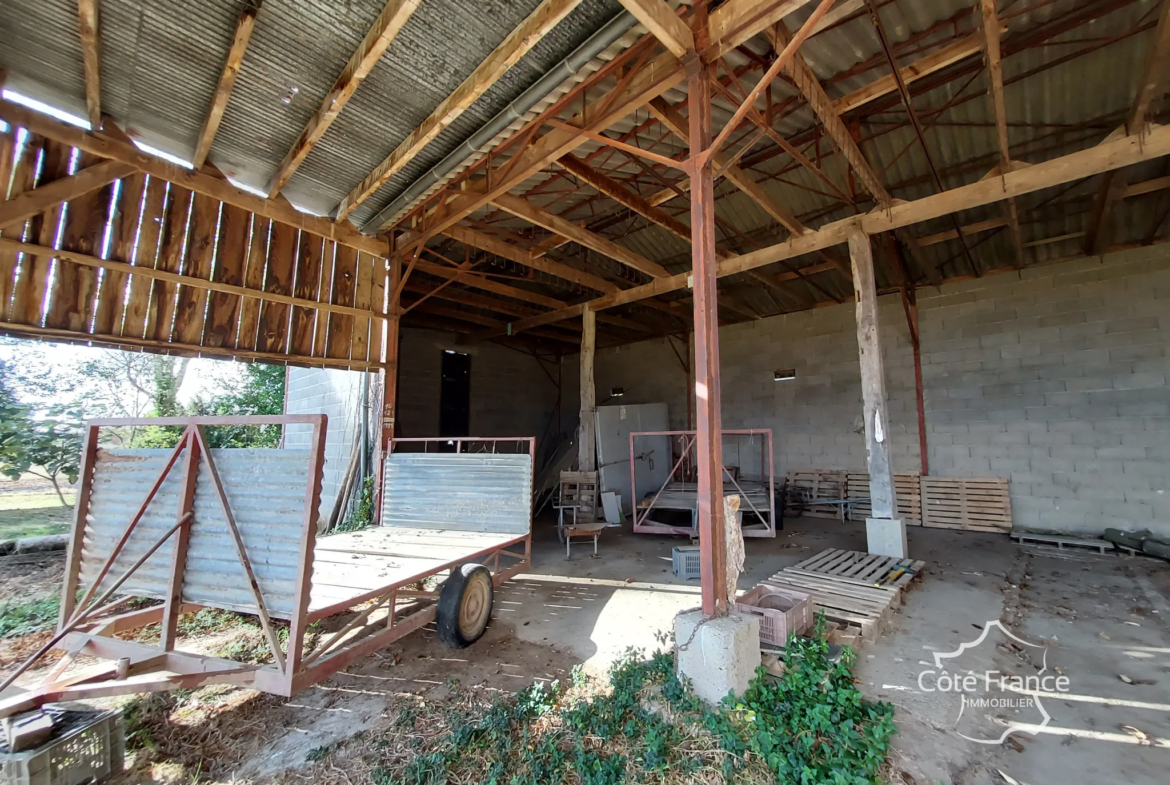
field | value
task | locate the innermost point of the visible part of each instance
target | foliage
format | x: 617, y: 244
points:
x: 46, y: 444
x: 363, y: 515
x: 258, y: 390
x: 809, y: 726
x: 17, y: 619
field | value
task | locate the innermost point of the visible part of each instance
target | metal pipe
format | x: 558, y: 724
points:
x: 477, y: 142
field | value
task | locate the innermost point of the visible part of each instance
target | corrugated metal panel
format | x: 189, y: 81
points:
x: 478, y: 492
x: 266, y: 491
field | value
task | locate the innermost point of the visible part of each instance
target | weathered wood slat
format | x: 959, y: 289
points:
x: 254, y: 279
x: 74, y: 286
x: 341, y: 326
x: 161, y: 314
x: 124, y: 226
x: 306, y: 286
x: 324, y: 296
x: 137, y: 305
x: 282, y: 251
x: 377, y: 303
x: 362, y: 295
x: 23, y: 174
x: 32, y: 280
x: 230, y: 262
x: 200, y: 259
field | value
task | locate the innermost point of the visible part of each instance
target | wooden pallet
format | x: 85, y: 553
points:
x: 1101, y: 546
x: 848, y: 595
x: 811, y: 485
x: 906, y: 487
x: 966, y: 503
x: 863, y: 569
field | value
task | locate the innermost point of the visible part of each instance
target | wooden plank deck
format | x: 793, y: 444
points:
x: 348, y: 567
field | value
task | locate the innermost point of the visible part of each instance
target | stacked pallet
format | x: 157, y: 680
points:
x: 858, y: 592
x: 906, y: 487
x: 808, y: 486
x: 982, y: 505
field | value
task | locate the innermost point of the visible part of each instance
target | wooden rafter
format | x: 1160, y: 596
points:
x: 377, y: 40
x: 30, y: 203
x: 991, y: 32
x: 1108, y: 156
x: 664, y: 24
x: 227, y: 81
x: 522, y: 208
x: 521, y: 41
x: 278, y: 210
x: 1151, y: 89
x: 87, y: 21
x: 622, y: 195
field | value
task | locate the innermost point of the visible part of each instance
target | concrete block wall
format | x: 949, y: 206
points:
x: 510, y: 394
x: 337, y: 394
x: 1054, y: 377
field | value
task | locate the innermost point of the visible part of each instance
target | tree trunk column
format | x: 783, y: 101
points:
x: 885, y: 533
x: 708, y: 420
x: 587, y: 443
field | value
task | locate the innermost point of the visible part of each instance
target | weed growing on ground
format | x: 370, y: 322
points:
x: 810, y: 725
x: 26, y: 618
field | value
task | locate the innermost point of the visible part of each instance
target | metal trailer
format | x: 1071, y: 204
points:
x: 236, y: 529
x: 757, y: 496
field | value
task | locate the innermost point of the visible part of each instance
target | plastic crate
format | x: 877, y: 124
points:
x: 781, y: 612
x: 86, y: 746
x: 685, y: 562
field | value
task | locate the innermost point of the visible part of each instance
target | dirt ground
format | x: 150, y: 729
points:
x: 1094, y: 619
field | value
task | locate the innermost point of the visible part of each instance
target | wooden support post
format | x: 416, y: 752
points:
x: 389, y: 419
x: 174, y: 599
x: 708, y: 420
x: 587, y: 443
x: 883, y: 501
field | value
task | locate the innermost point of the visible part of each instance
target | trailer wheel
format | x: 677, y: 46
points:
x: 465, y: 605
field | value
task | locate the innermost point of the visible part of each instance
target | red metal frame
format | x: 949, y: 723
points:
x: 88, y: 629
x: 640, y: 524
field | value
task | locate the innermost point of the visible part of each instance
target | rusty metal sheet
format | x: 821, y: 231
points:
x: 266, y: 490
x: 471, y: 492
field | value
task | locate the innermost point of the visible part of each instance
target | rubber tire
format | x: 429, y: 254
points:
x: 451, y: 601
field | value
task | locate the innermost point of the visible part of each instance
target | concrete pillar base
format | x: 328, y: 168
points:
x: 886, y: 536
x: 719, y: 656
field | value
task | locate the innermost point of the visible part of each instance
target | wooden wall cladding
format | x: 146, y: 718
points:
x: 202, y: 260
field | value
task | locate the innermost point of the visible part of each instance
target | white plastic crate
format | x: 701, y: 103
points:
x: 86, y: 746
x: 685, y: 562
x: 780, y: 612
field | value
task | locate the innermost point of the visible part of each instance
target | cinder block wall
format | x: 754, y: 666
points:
x: 510, y: 395
x: 1054, y: 378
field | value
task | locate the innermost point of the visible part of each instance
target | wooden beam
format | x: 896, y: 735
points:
x: 276, y: 209
x: 521, y: 41
x: 521, y: 208
x: 1112, y: 154
x: 878, y: 440
x: 734, y: 22
x: 504, y: 250
x: 991, y: 32
x: 622, y: 195
x: 377, y: 40
x: 971, y: 228
x: 25, y: 205
x: 87, y: 22
x: 664, y: 24
x: 227, y: 81
x: 1151, y: 88
x: 924, y: 66
x: 587, y: 437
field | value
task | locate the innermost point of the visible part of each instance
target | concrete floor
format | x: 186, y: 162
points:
x: 1093, y: 619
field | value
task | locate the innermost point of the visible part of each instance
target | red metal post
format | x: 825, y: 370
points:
x: 708, y: 421
x: 389, y: 372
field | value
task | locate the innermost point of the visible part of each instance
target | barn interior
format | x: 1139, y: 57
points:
x: 898, y: 268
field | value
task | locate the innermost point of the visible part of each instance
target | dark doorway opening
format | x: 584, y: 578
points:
x: 455, y: 395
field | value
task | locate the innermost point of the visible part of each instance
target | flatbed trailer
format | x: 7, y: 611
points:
x: 236, y: 529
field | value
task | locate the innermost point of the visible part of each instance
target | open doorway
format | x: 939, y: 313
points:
x: 455, y: 394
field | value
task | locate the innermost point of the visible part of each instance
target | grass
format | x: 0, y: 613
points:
x: 26, y: 618
x: 33, y: 514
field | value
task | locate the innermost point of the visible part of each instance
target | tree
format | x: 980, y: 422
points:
x: 45, y: 444
x: 259, y: 389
